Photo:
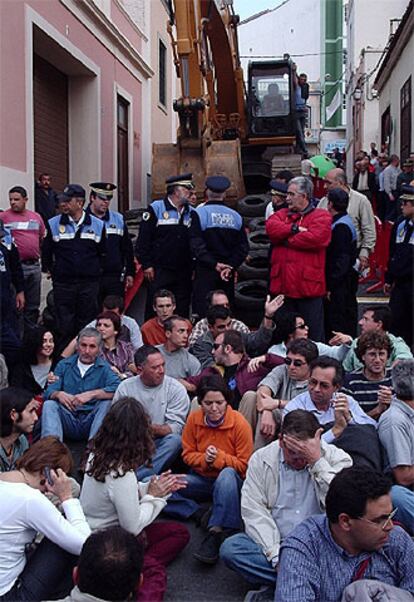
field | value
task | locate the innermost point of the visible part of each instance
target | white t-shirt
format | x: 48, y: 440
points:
x: 83, y: 368
x: 24, y: 511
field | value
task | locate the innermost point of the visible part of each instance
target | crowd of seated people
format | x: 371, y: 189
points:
x: 253, y: 435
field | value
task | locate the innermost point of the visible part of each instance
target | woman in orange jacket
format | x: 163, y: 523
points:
x: 217, y: 444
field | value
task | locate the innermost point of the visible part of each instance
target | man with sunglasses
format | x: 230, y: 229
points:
x: 352, y: 553
x: 283, y: 383
x: 230, y: 360
x: 399, y: 277
x: 118, y: 265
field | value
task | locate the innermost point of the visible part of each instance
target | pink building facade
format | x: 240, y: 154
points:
x: 76, y: 80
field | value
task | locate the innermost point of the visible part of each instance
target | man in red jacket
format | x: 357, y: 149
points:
x: 300, y: 235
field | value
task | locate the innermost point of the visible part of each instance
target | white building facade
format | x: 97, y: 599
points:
x: 369, y: 26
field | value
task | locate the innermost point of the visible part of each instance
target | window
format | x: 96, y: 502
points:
x: 162, y: 73
x: 405, y: 120
x: 386, y: 129
x: 123, y: 154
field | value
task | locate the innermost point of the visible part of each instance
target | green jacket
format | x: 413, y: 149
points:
x: 399, y: 351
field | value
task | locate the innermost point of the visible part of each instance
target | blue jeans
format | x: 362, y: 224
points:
x: 58, y: 421
x: 403, y: 499
x: 48, y: 571
x: 166, y: 450
x: 225, y: 491
x: 241, y: 554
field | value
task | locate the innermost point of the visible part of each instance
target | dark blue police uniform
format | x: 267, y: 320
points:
x: 163, y: 244
x: 217, y: 235
x: 119, y: 259
x: 73, y: 253
x: 400, y: 272
x: 11, y: 273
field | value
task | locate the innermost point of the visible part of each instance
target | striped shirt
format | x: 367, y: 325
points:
x: 314, y: 567
x: 365, y: 391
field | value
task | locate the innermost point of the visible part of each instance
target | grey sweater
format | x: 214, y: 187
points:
x: 166, y: 404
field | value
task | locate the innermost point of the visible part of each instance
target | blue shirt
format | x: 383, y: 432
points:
x: 304, y: 402
x: 99, y: 376
x: 9, y: 462
x: 313, y: 567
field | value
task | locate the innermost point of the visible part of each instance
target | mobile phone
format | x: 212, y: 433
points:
x: 48, y: 475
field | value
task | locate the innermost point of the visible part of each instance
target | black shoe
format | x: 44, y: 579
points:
x: 208, y: 552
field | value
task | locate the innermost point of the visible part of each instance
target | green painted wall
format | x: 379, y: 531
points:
x: 331, y: 61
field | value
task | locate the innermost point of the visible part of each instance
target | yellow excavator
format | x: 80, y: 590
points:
x: 225, y: 126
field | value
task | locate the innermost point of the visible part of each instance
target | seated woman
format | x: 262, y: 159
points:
x: 38, y: 361
x: 217, y: 444
x: 111, y: 495
x: 119, y: 354
x: 25, y: 511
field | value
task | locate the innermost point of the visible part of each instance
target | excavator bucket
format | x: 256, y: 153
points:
x: 219, y: 157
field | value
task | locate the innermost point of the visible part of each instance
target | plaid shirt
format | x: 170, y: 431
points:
x: 313, y: 567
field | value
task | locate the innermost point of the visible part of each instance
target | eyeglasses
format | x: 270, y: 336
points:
x: 303, y: 325
x: 296, y: 363
x: 217, y: 346
x: 380, y: 522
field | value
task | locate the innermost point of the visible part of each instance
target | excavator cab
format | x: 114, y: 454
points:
x: 271, y: 101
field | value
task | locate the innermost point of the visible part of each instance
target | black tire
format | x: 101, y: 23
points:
x: 258, y: 240
x: 257, y: 223
x: 253, y: 205
x: 250, y: 295
x: 256, y: 266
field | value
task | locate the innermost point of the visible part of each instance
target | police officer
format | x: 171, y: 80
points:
x: 11, y: 273
x: 73, y: 254
x: 163, y: 246
x: 399, y: 279
x: 118, y: 265
x: 218, y: 243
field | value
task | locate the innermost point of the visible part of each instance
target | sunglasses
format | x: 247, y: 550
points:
x: 217, y: 346
x: 303, y: 325
x: 296, y: 363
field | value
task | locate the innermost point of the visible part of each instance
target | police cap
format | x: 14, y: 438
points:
x: 103, y: 189
x: 72, y: 191
x: 407, y: 193
x: 184, y: 179
x: 408, y: 163
x: 218, y: 183
x: 279, y: 188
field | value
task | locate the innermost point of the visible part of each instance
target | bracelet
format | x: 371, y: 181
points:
x: 268, y: 317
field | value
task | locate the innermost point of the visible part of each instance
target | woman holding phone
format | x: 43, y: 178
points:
x: 26, y: 511
x: 112, y: 496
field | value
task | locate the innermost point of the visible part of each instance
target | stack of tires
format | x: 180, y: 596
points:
x: 252, y: 285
